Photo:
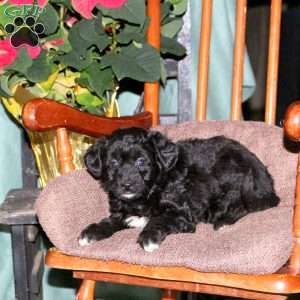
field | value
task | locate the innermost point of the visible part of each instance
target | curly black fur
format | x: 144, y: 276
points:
x: 173, y: 186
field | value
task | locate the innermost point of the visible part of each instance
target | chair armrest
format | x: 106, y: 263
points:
x: 18, y: 207
x: 44, y: 115
x: 291, y: 126
x: 291, y: 122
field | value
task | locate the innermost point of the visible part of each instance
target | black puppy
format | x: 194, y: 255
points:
x: 168, y: 187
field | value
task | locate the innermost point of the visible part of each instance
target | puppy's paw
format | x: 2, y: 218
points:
x: 150, y: 246
x: 91, y: 234
x: 84, y: 241
x: 219, y: 225
x: 136, y: 222
x: 149, y: 241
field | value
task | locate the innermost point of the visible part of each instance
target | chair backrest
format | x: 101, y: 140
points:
x: 152, y: 90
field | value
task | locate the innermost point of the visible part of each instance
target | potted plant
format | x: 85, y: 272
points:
x: 81, y: 53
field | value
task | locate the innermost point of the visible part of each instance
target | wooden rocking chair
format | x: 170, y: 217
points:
x: 38, y: 115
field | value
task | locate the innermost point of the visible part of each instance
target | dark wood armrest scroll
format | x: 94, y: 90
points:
x: 291, y: 121
x: 43, y: 115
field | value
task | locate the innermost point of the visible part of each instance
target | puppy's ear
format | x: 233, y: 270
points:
x: 165, y: 150
x: 93, y: 157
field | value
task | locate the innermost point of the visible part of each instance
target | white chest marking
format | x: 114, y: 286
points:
x: 136, y: 222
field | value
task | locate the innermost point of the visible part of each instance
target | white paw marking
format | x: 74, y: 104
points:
x: 150, y: 246
x: 136, y: 222
x: 84, y: 241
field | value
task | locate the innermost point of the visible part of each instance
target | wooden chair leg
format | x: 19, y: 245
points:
x: 169, y: 295
x: 86, y: 290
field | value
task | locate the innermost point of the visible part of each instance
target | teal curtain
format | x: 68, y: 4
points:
x: 10, y: 177
x: 57, y: 284
x: 221, y: 59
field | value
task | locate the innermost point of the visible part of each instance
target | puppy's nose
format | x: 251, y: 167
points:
x: 126, y: 185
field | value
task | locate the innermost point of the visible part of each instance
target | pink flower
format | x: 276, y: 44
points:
x: 33, y: 52
x: 71, y: 21
x: 85, y: 7
x: 7, y: 53
x: 53, y: 43
x: 112, y: 3
x: 41, y: 3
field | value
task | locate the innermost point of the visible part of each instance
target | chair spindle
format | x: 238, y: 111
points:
x: 205, y: 33
x: 64, y: 151
x: 169, y: 295
x: 273, y: 59
x: 151, y: 89
x: 87, y: 290
x: 238, y: 60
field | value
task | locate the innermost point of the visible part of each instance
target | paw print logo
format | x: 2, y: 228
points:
x: 24, y: 31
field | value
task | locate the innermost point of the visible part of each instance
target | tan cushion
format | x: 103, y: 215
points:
x: 258, y: 243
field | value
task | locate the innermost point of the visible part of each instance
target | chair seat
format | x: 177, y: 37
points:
x: 259, y: 243
x: 168, y: 277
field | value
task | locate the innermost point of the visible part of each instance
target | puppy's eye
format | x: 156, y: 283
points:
x: 140, y: 162
x: 114, y: 162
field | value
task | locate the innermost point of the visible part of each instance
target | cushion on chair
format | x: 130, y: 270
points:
x: 257, y: 244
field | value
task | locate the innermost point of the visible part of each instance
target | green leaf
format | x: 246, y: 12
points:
x: 99, y: 79
x: 4, y: 86
x: 60, y: 96
x: 22, y: 63
x: 49, y: 18
x: 126, y: 38
x: 179, y: 7
x: 65, y: 3
x: 133, y: 11
x: 83, y: 80
x: 142, y: 64
x: 163, y: 72
x: 171, y: 46
x: 132, y: 32
x: 94, y: 110
x: 4, y: 19
x: 62, y: 33
x: 86, y: 33
x: 172, y: 28
x: 87, y: 99
x: 16, y: 79
x: 78, y: 44
x: 40, y: 69
x: 76, y: 61
x: 92, y: 32
x: 165, y: 9
x: 96, y: 79
x: 146, y: 25
x: 174, y: 2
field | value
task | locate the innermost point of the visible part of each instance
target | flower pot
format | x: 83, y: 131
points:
x: 44, y: 144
